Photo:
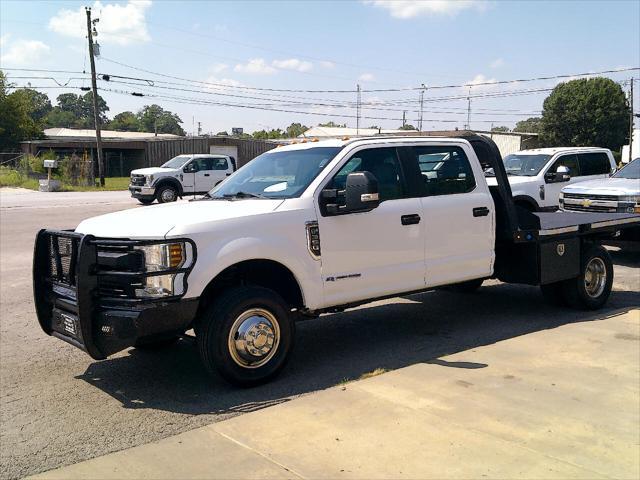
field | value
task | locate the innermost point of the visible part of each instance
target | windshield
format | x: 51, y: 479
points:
x: 276, y: 174
x: 631, y: 170
x: 177, y: 162
x: 526, y: 165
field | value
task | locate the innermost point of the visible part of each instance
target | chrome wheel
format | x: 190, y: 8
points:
x: 168, y: 195
x: 595, y: 277
x: 254, y: 338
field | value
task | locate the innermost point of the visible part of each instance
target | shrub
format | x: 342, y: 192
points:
x: 10, y: 177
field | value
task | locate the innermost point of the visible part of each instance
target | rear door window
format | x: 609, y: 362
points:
x: 220, y: 163
x: 594, y: 163
x: 445, y: 170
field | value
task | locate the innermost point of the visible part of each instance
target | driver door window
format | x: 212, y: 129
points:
x: 569, y: 161
x: 383, y: 163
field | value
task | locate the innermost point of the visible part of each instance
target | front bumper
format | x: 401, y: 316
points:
x: 142, y: 192
x: 81, y: 295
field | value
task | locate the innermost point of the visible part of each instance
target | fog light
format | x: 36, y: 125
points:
x: 157, y: 286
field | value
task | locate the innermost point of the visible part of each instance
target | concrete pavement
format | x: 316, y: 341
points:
x: 557, y: 403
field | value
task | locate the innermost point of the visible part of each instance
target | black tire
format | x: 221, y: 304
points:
x: 466, y: 287
x: 589, y: 291
x: 553, y: 294
x: 214, y: 330
x: 167, y: 194
x: 146, y: 201
x: 156, y: 344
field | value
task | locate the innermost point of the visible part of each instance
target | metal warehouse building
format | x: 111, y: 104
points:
x: 126, y: 151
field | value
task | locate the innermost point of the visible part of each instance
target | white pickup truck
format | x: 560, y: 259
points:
x: 306, y: 229
x: 537, y: 176
x: 182, y: 175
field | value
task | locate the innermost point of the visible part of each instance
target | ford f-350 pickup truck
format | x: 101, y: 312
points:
x: 305, y: 229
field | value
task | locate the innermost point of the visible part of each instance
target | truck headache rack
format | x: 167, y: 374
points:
x: 84, y: 291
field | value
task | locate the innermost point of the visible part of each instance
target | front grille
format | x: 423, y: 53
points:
x: 63, y: 253
x: 137, y: 180
x: 591, y: 208
x: 582, y: 196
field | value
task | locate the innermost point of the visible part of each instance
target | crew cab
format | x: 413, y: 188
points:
x: 182, y: 175
x: 536, y: 176
x: 306, y: 229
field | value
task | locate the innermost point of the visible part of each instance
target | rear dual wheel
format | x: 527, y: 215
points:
x: 591, y: 289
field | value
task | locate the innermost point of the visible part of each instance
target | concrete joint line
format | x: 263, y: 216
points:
x: 266, y: 457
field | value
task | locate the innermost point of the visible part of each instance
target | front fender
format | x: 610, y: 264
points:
x: 215, y: 258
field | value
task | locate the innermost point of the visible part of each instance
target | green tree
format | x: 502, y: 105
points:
x: 153, y: 118
x: 76, y: 111
x: 530, y: 125
x: 295, y: 129
x: 332, y: 124
x: 38, y: 102
x: 586, y: 112
x: 500, y: 129
x: 407, y: 126
x: 124, y: 121
x: 271, y: 134
x: 16, y: 123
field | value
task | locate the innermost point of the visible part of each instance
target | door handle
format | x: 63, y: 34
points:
x: 206, y: 174
x: 412, y: 219
x: 480, y: 212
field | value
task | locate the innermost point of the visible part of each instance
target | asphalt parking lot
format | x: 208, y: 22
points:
x: 59, y: 407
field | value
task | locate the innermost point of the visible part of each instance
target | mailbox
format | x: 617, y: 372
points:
x: 51, y: 163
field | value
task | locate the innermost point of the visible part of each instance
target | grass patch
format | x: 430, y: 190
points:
x: 375, y: 373
x: 13, y: 178
x: 110, y: 184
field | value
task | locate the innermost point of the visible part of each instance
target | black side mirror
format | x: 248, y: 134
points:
x: 360, y: 195
x: 559, y: 176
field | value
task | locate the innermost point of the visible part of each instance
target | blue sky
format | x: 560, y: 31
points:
x: 324, y: 46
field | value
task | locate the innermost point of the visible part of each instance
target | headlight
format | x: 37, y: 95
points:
x: 149, y: 179
x: 635, y: 199
x: 165, y: 257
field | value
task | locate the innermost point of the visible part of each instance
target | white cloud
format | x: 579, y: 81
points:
x: 220, y: 83
x: 327, y: 64
x: 255, y: 66
x: 218, y: 67
x: 366, y: 77
x: 497, y: 63
x: 119, y: 24
x: 23, y: 52
x: 293, y: 64
x: 414, y: 8
x: 4, y: 39
x: 481, y: 83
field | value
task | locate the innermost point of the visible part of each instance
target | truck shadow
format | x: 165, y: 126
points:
x: 341, y: 347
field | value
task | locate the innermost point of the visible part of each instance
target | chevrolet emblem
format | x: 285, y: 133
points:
x: 586, y: 203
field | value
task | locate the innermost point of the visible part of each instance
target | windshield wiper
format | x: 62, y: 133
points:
x: 242, y: 195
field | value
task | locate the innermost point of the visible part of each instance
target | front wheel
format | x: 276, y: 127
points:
x: 167, y: 194
x: 146, y: 201
x: 246, y: 335
x: 591, y: 289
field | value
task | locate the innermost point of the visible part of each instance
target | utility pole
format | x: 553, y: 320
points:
x: 404, y: 118
x: 421, y: 106
x: 469, y: 110
x: 199, y: 129
x: 94, y: 86
x: 358, y: 99
x: 631, y: 119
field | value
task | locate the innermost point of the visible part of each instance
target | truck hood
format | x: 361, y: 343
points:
x: 152, y: 171
x: 156, y: 221
x: 606, y: 186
